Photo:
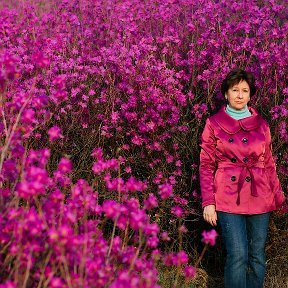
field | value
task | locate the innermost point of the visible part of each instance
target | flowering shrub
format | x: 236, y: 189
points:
x: 209, y: 237
x: 102, y: 104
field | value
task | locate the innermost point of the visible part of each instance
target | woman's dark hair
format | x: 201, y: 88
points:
x: 234, y: 77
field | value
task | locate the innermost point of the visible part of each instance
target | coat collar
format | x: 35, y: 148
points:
x: 232, y: 126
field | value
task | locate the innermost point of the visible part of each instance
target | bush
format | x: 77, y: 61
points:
x: 102, y: 105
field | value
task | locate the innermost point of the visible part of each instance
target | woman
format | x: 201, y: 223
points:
x: 239, y: 184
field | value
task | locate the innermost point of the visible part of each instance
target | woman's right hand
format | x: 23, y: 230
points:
x: 210, y: 215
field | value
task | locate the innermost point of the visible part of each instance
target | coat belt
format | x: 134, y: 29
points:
x: 246, y: 169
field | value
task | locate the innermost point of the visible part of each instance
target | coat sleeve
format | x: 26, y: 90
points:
x: 207, y: 164
x: 270, y: 167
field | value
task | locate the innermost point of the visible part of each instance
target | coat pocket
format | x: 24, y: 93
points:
x: 231, y: 178
x: 264, y: 182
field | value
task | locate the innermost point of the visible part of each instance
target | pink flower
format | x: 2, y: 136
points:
x: 111, y: 208
x: 40, y: 60
x: 54, y: 133
x: 97, y: 153
x: 138, y: 219
x: 112, y: 164
x: 122, y: 222
x: 166, y: 190
x: 4, y: 192
x: 177, y: 211
x: 115, y: 117
x: 59, y: 95
x: 182, y: 229
x: 99, y: 167
x: 137, y: 140
x: 115, y: 184
x: 168, y: 259
x: 209, y: 237
x: 59, y: 81
x: 151, y: 229
x: 125, y: 147
x: 180, y: 258
x: 133, y: 185
x: 57, y: 282
x: 152, y: 241
x: 35, y: 184
x: 8, y: 62
x: 117, y: 242
x: 178, y: 163
x: 189, y: 272
x: 128, y: 169
x: 28, y: 116
x: 151, y: 201
x: 8, y: 284
x: 65, y: 165
x: 165, y: 236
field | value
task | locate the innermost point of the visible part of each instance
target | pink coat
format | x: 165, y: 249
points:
x: 237, y: 170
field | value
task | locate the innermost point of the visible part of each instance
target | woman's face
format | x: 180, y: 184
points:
x: 238, y: 95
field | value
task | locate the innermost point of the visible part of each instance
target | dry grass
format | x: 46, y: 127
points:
x: 277, y: 254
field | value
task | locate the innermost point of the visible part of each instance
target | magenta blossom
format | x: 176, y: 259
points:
x: 57, y: 282
x: 165, y: 236
x: 54, y: 133
x: 177, y: 211
x: 151, y: 201
x: 165, y: 190
x: 189, y: 272
x: 180, y: 258
x: 111, y: 208
x: 65, y: 165
x: 40, y: 60
x: 209, y: 237
x: 8, y: 284
x: 28, y: 116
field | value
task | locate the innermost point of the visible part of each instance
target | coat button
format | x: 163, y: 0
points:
x: 230, y: 140
x: 248, y: 179
x: 233, y: 178
x: 244, y: 140
x: 233, y: 160
x: 245, y: 160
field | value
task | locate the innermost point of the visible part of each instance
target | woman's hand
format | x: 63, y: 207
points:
x: 210, y: 215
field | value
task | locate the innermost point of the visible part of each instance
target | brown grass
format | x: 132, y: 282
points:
x: 277, y: 254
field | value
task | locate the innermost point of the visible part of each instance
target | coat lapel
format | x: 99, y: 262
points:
x: 232, y: 126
